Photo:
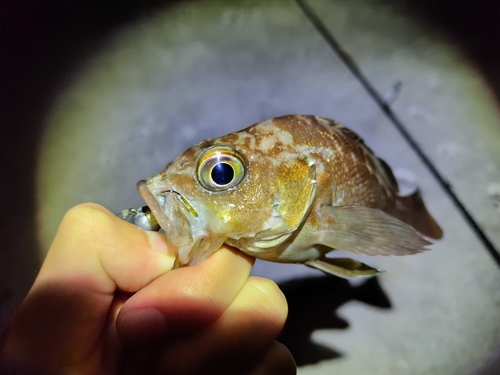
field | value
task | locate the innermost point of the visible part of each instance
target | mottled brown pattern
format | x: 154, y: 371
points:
x: 230, y: 138
x: 351, y: 169
x: 295, y: 166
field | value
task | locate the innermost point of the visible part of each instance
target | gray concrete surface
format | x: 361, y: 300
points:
x: 202, y: 70
x: 445, y: 104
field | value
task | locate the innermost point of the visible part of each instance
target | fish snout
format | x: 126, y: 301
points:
x: 169, y: 207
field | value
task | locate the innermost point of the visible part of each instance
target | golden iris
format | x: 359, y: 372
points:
x: 220, y: 168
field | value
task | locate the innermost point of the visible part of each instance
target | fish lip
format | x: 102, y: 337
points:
x: 154, y: 205
x: 185, y: 203
x: 174, y: 218
x: 152, y: 201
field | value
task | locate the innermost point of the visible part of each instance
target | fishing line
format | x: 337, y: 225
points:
x: 384, y: 106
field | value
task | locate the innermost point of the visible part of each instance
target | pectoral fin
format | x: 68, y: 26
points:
x: 344, y: 267
x: 368, y: 231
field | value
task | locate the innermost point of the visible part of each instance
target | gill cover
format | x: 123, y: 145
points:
x: 295, y: 192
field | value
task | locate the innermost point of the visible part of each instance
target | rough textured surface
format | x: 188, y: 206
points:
x: 197, y: 71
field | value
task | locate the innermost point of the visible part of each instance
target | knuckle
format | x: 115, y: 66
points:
x: 86, y: 213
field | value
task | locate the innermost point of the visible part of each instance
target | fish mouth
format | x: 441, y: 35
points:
x: 172, y: 212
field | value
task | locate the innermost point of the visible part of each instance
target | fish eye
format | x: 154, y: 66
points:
x: 220, y: 168
x: 222, y: 174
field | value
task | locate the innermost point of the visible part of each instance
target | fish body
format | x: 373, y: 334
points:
x: 289, y: 189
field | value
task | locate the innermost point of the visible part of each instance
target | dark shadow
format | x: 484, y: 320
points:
x: 312, y: 304
x: 43, y: 44
x: 474, y: 28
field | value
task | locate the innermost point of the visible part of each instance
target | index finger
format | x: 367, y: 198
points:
x: 104, y: 252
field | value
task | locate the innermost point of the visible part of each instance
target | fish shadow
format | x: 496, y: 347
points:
x: 312, y: 305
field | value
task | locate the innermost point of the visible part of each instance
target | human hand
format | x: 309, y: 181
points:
x: 104, y: 302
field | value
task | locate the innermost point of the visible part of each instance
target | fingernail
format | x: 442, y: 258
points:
x: 157, y: 242
x: 142, y: 325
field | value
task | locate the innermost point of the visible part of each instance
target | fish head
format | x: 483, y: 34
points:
x: 227, y: 190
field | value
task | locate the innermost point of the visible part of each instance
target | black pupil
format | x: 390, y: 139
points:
x: 222, y: 174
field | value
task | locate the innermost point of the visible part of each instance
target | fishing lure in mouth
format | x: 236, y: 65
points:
x: 290, y: 189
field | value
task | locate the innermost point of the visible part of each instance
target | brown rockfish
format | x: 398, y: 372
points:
x: 290, y: 190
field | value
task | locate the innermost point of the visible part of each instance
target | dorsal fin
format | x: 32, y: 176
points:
x: 389, y: 174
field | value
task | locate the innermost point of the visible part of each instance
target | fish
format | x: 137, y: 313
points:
x: 290, y: 189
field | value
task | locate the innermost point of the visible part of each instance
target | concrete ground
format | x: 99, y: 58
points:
x: 178, y: 74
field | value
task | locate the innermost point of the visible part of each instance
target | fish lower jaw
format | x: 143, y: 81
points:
x: 153, y: 204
